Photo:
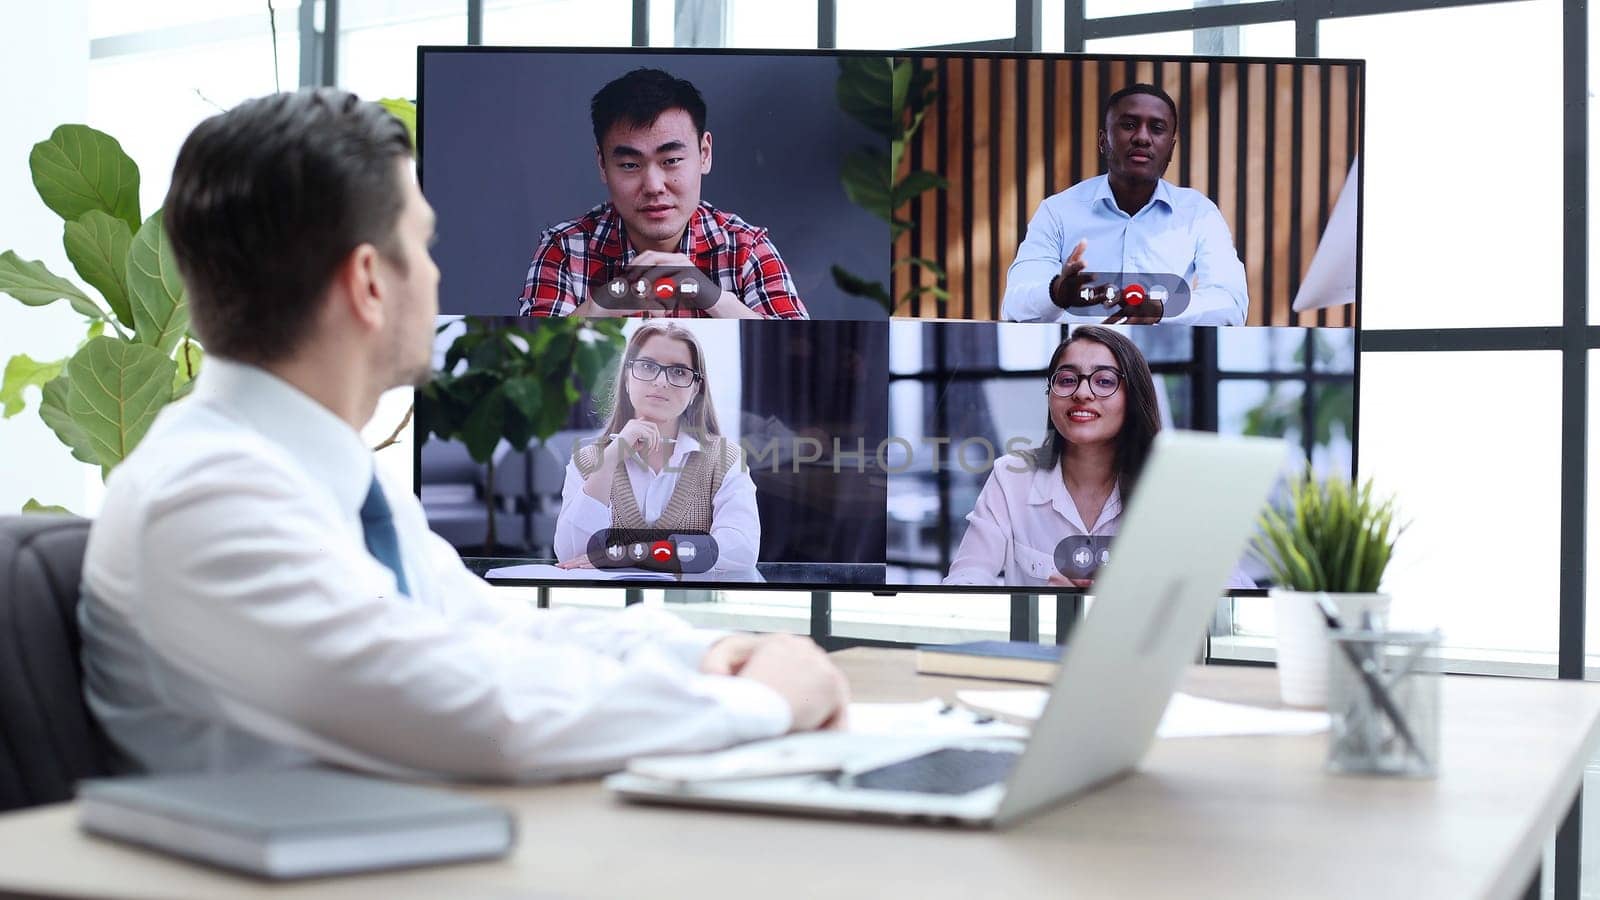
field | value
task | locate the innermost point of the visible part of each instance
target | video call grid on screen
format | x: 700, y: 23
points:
x: 980, y: 378
x: 1269, y: 148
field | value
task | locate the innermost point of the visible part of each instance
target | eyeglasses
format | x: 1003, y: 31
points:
x: 1103, y: 382
x: 677, y: 376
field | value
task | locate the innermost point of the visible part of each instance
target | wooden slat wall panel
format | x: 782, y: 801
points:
x: 1270, y: 144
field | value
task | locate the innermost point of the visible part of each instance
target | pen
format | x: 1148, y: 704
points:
x: 1369, y: 677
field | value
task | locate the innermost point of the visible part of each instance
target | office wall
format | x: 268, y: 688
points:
x: 44, y: 62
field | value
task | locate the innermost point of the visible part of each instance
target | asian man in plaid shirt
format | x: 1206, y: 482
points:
x: 655, y: 246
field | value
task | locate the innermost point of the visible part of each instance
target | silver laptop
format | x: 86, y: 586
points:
x: 1186, y: 528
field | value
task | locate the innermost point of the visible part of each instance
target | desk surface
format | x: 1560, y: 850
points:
x: 1204, y: 817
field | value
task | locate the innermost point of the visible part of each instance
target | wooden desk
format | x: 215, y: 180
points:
x: 1216, y: 817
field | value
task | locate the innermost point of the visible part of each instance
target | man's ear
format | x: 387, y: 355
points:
x: 705, y: 153
x: 357, y: 288
x: 1102, y: 143
x: 600, y: 163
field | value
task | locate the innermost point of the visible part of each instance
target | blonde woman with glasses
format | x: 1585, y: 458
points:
x: 661, y: 462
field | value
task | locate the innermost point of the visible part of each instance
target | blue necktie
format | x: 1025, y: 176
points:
x: 378, y: 523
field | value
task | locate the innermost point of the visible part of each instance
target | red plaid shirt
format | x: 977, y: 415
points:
x: 575, y: 256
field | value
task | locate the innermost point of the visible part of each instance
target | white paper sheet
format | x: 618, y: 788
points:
x: 925, y: 719
x: 1186, y: 715
x: 877, y: 734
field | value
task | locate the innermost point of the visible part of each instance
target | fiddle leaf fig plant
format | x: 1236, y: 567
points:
x: 504, y: 382
x: 137, y: 354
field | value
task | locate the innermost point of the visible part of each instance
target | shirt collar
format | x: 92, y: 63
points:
x: 1046, y: 487
x: 321, y: 443
x: 1102, y: 193
x: 702, y: 236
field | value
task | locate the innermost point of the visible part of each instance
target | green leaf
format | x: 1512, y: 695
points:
x: 899, y: 87
x: 911, y: 186
x: 525, y: 395
x: 186, y: 368
x: 920, y: 262
x: 406, y: 112
x: 921, y: 95
x: 22, y: 372
x: 865, y: 176
x: 865, y: 91
x: 482, y: 432
x: 34, y: 506
x: 117, y: 389
x: 857, y: 286
x: 160, y: 312
x: 590, y: 363
x: 97, y: 244
x: 79, y: 169
x: 35, y: 285
x: 53, y: 412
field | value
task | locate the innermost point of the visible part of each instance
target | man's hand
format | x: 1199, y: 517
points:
x: 728, y: 656
x: 816, y: 691
x: 1058, y: 580
x: 1072, y: 278
x: 1147, y: 313
x: 653, y: 265
x: 591, y: 310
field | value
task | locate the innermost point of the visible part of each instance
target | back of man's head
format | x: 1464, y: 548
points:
x: 638, y: 98
x: 267, y: 200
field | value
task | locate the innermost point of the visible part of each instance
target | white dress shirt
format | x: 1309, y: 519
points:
x: 1021, y: 515
x: 1179, y: 232
x: 735, y: 521
x: 233, y: 618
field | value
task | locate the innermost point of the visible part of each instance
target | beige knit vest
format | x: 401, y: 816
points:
x: 689, y: 509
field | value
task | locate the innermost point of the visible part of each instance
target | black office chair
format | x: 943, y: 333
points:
x: 48, y: 738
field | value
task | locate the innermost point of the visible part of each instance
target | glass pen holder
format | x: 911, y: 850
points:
x: 1383, y: 703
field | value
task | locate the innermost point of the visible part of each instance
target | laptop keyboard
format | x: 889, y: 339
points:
x: 948, y: 771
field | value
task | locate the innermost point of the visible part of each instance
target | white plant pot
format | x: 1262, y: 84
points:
x: 1303, y: 640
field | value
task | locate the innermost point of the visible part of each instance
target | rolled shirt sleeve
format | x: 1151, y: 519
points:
x: 1039, y: 259
x: 279, y: 625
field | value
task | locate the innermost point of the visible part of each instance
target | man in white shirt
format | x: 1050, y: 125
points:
x: 254, y: 596
x: 1134, y: 226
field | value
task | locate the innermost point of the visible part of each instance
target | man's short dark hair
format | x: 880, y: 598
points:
x: 267, y: 199
x: 1139, y: 88
x: 638, y: 98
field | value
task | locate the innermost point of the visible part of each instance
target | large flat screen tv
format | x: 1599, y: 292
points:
x: 852, y: 320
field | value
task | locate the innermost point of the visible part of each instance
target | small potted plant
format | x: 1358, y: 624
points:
x: 1334, y: 538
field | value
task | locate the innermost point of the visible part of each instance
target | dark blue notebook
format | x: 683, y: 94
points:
x: 1009, y: 660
